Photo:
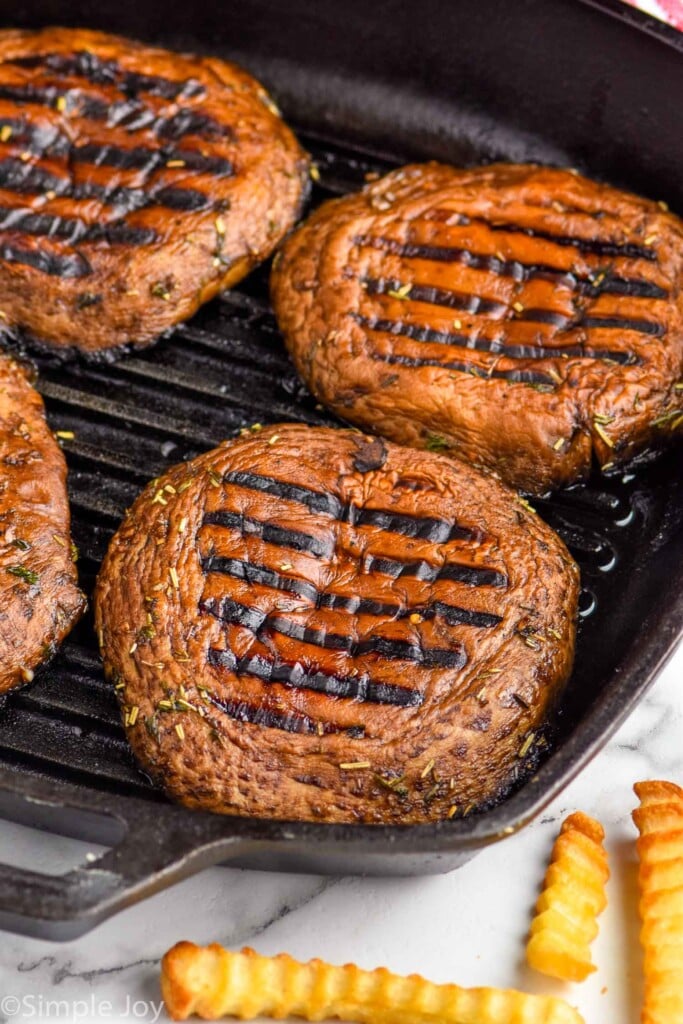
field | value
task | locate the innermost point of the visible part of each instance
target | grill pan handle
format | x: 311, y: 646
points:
x: 158, y: 844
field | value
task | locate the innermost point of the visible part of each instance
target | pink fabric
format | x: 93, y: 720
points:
x: 673, y: 9
x: 667, y: 10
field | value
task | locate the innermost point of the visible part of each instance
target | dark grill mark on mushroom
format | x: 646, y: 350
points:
x: 28, y: 179
x: 437, y: 531
x: 269, y: 718
x: 475, y: 305
x: 87, y: 65
x: 472, y: 575
x: 262, y: 623
x: 134, y: 167
x: 269, y: 532
x: 250, y: 572
x: 73, y: 230
x: 351, y: 687
x: 72, y: 265
x: 416, y: 332
x: 492, y: 373
x: 516, y: 269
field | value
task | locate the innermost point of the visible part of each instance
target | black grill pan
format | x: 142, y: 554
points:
x: 593, y: 85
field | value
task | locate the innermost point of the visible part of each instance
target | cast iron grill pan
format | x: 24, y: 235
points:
x: 64, y: 763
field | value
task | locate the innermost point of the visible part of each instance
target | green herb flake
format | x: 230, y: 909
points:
x: 152, y: 727
x: 23, y: 573
x: 85, y: 299
x: 526, y: 746
x: 436, y: 443
x: 667, y: 417
x: 602, y: 433
x: 400, y: 293
x: 160, y: 291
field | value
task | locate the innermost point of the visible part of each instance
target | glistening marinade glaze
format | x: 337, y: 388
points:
x: 525, y: 319
x: 39, y: 597
x: 311, y: 624
x: 147, y: 179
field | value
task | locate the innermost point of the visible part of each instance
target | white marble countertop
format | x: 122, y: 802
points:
x: 468, y: 927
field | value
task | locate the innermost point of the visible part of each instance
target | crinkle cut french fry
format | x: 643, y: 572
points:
x: 212, y: 982
x: 573, y: 896
x: 659, y: 820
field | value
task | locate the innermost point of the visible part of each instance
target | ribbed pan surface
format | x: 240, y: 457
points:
x: 225, y: 369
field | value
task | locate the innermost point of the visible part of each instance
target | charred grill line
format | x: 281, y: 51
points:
x: 291, y: 721
x: 122, y: 113
x: 592, y: 246
x: 38, y: 138
x: 141, y: 158
x: 624, y: 324
x: 359, y: 688
x: 186, y: 200
x: 595, y: 246
x: 48, y: 141
x: 426, y: 334
x: 259, y: 622
x: 603, y: 283
x: 476, y: 306
x: 83, y: 64
x: 72, y: 265
x: 72, y: 230
x: 514, y: 376
x: 472, y: 575
x: 28, y: 179
x: 548, y: 316
x: 270, y: 533
x: 190, y: 122
x: 473, y: 304
x: 250, y: 572
x: 438, y: 531
x: 630, y: 286
x: 127, y: 113
x: 316, y: 501
x: 17, y: 176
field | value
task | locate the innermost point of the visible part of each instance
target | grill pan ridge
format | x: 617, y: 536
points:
x: 64, y: 762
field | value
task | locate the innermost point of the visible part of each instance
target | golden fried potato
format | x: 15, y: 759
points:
x: 212, y: 982
x: 659, y: 820
x: 573, y: 897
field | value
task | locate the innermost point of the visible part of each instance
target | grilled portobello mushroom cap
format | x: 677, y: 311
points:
x: 526, y: 319
x: 39, y: 597
x: 135, y: 184
x: 314, y: 624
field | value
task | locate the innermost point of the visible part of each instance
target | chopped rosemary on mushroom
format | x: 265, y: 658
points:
x: 400, y: 293
x: 526, y: 746
x: 436, y: 443
x: 602, y: 433
x: 23, y: 573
